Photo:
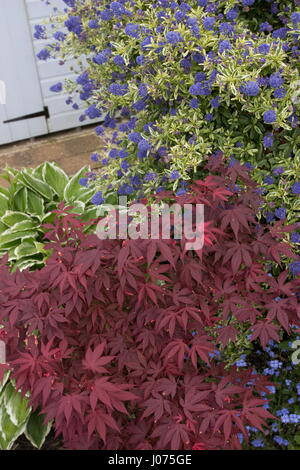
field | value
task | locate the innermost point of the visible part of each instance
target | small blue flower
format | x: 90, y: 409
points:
x: 113, y: 153
x: 265, y: 26
x: 200, y: 89
x: 232, y: 14
x: 224, y: 45
x: 95, y: 157
x: 174, y: 175
x: 150, y: 177
x: 143, y: 90
x: 118, y: 60
x: 215, y: 103
x: 281, y: 441
x: 278, y: 171
x: 194, y: 103
x: 268, y: 140
x: 275, y: 364
x: 282, y: 412
x: 174, y: 37
x: 296, y: 188
x: 57, y: 88
x: 126, y: 190
x: 280, y: 33
x: 144, y: 145
x: 92, y: 112
x: 83, y: 182
x: 59, y: 36
x: 135, y: 137
x: 117, y: 89
x: 280, y: 213
x: 132, y: 30
x: 226, y: 28
x: 270, y: 116
x: 179, y: 16
x: 241, y: 362
x: 99, y: 130
x: 209, y: 22
x: 279, y: 93
x: 123, y: 153
x: 97, y: 199
x: 140, y: 60
x: 125, y: 165
x: 257, y: 443
x: 39, y: 32
x: 44, y: 54
x: 295, y: 237
x: 276, y: 80
x: 74, y: 24
x: 101, y: 58
x: 294, y: 418
x: 264, y: 49
x: 295, y: 17
x: 93, y: 24
x: 181, y: 192
x: 295, y: 270
x: 208, y: 117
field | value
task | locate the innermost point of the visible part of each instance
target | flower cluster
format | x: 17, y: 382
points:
x: 277, y: 363
x: 188, y: 79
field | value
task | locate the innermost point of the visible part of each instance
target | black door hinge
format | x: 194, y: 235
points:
x: 30, y: 116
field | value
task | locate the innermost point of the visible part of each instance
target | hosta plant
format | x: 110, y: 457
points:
x: 16, y: 418
x: 26, y: 203
x: 118, y: 341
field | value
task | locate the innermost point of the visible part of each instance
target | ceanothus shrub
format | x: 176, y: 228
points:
x: 190, y: 78
x: 120, y: 342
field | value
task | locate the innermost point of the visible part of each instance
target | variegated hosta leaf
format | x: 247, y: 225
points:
x: 14, y: 413
x: 29, y: 203
x: 55, y: 177
x: 73, y: 190
x: 36, y: 430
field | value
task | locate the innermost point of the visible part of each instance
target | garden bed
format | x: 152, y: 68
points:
x: 145, y: 342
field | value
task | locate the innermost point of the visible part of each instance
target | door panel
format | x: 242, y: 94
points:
x: 62, y: 115
x: 18, y: 70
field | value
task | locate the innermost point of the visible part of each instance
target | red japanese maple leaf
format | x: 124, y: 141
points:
x: 265, y: 330
x: 94, y: 361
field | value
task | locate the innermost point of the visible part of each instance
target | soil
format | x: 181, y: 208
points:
x: 51, y: 443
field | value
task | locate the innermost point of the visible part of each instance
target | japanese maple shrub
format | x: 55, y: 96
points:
x: 118, y: 341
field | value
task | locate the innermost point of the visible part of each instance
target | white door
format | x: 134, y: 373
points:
x: 18, y: 71
x: 61, y: 115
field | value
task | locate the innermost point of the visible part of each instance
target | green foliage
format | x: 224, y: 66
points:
x: 16, y: 418
x: 166, y: 119
x: 27, y: 204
